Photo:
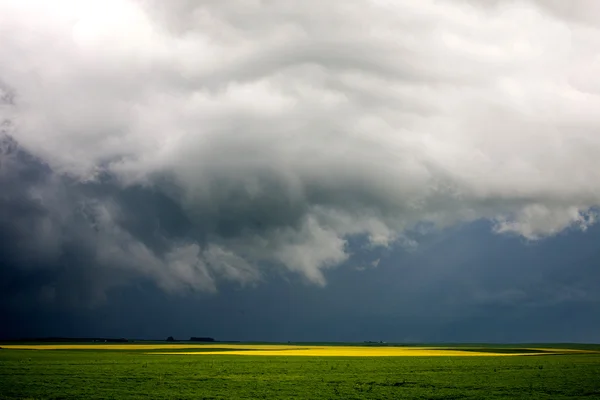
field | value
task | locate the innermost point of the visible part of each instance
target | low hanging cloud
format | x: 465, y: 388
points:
x: 192, y: 143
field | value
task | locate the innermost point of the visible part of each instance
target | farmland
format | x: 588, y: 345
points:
x: 222, y: 371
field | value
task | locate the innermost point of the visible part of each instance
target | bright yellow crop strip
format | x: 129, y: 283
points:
x: 143, y: 346
x: 285, y: 350
x: 335, y: 351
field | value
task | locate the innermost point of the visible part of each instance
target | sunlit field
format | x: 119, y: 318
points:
x: 308, y: 350
x: 251, y: 371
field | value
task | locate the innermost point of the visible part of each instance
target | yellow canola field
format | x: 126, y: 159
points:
x: 283, y: 350
x: 346, y: 352
x: 136, y: 346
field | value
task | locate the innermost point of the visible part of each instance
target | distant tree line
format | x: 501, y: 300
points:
x: 98, y: 339
x: 201, y: 339
x: 193, y: 339
x: 68, y: 340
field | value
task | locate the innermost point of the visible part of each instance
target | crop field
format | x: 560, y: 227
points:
x: 267, y: 371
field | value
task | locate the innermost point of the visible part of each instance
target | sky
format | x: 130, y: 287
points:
x: 306, y: 171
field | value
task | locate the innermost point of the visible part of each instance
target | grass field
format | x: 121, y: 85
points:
x: 217, y: 371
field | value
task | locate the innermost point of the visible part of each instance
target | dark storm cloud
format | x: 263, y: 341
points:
x: 72, y: 240
x: 194, y: 144
x: 47, y: 235
x: 465, y: 284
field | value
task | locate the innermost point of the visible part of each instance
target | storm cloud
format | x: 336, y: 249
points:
x: 192, y: 143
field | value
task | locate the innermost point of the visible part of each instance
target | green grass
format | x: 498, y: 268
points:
x: 125, y: 374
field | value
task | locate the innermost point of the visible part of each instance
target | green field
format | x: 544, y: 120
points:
x: 135, y: 374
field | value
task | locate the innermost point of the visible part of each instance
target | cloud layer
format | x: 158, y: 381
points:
x: 191, y: 143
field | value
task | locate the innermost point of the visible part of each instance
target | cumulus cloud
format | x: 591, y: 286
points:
x: 275, y: 131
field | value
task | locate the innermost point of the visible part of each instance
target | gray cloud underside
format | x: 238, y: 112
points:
x: 190, y: 143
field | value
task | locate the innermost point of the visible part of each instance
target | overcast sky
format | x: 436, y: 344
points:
x: 285, y: 170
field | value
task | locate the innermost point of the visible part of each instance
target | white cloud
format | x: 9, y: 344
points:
x: 344, y: 118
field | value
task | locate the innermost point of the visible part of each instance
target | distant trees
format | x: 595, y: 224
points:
x: 201, y: 339
x: 193, y: 339
x: 73, y: 340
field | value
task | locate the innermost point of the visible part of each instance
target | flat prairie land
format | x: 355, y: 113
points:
x: 295, y: 371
